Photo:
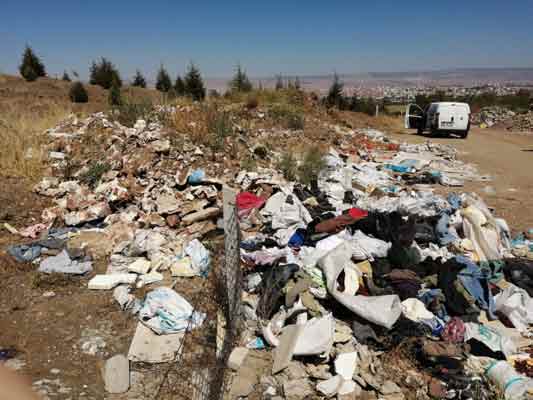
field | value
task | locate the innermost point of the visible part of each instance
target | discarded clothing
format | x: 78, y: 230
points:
x: 165, y: 311
x: 337, y: 224
x: 246, y: 202
x: 24, y: 252
x: 475, y: 280
x: 62, y: 263
x: 454, y: 331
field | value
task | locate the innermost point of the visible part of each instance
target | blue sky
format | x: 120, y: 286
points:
x: 267, y: 37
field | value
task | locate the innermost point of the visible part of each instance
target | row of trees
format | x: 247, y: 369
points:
x: 105, y: 74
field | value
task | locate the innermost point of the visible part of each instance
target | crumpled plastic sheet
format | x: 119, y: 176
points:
x: 200, y: 259
x: 165, y: 311
x: 517, y: 305
x: 490, y: 338
x: 284, y: 214
x: 380, y: 310
x: 424, y: 204
x: 62, y: 263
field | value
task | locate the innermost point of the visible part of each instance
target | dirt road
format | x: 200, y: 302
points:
x: 508, y: 159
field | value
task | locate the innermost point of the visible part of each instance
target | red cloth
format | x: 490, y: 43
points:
x: 357, y: 213
x: 246, y: 202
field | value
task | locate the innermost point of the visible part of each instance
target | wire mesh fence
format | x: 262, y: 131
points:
x: 200, y: 371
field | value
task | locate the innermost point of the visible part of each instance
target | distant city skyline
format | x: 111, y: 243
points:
x: 292, y: 38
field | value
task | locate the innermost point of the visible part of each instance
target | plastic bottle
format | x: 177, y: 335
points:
x: 513, y: 384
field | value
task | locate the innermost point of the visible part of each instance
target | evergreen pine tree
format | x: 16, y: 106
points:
x: 163, y: 82
x: 138, y: 80
x: 179, y: 86
x: 115, y: 98
x: 354, y: 103
x: 335, y: 96
x: 194, y: 85
x: 66, y: 77
x: 240, y: 81
x: 297, y: 84
x: 279, y: 82
x: 31, y: 66
x: 104, y: 73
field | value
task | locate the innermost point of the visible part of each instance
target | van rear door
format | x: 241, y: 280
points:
x: 414, y: 116
x: 453, y: 117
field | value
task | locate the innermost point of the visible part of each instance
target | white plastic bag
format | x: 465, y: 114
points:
x: 381, y: 310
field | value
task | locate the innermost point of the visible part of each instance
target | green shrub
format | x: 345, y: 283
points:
x: 94, y: 174
x: 128, y: 112
x: 287, y: 116
x: 114, y: 96
x: 312, y: 164
x: 31, y: 66
x: 104, y: 73
x: 288, y: 166
x: 77, y: 93
x: 249, y: 163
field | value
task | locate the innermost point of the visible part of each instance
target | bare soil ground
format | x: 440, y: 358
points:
x: 508, y: 159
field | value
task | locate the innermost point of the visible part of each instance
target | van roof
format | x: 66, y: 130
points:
x: 452, y: 103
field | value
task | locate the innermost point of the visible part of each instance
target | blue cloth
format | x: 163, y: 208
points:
x: 455, y: 201
x: 444, y: 233
x: 397, y: 168
x: 297, y: 239
x: 428, y: 297
x: 196, y: 176
x: 25, y: 253
x: 475, y: 279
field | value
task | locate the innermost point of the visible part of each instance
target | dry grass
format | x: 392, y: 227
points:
x: 22, y: 136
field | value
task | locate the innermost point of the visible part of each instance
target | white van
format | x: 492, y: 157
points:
x: 437, y: 118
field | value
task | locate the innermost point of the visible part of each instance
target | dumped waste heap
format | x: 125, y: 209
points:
x: 362, y: 284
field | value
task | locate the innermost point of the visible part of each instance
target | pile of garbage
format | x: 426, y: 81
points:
x: 523, y: 122
x: 129, y: 212
x: 365, y: 282
x: 492, y: 115
x: 341, y: 274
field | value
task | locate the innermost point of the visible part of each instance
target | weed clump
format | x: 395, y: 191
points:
x: 94, y: 173
x: 77, y: 93
x: 287, y: 116
x: 312, y: 164
x: 288, y: 166
x: 219, y: 127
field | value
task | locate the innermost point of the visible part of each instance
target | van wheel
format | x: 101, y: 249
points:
x: 465, y: 133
